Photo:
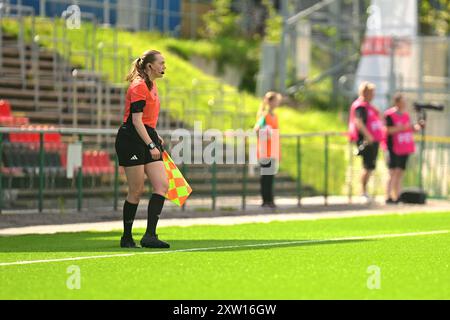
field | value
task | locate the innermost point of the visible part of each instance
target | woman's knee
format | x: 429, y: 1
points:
x: 161, y: 187
x: 135, y: 193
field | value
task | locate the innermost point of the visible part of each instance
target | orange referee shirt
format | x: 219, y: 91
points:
x: 270, y: 147
x: 140, y: 99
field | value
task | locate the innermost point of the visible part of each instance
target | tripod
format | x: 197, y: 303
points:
x: 421, y: 116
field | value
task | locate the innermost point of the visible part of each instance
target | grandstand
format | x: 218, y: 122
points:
x: 41, y: 90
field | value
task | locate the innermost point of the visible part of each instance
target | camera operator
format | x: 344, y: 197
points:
x: 399, y: 143
x: 366, y: 130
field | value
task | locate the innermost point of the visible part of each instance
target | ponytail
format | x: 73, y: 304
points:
x: 263, y: 110
x: 137, y: 69
x: 264, y: 106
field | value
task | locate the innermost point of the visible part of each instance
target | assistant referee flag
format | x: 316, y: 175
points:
x: 179, y: 189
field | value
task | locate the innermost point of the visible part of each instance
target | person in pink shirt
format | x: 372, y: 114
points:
x: 399, y: 143
x: 366, y: 130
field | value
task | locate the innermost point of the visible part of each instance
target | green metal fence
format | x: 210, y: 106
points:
x: 312, y: 165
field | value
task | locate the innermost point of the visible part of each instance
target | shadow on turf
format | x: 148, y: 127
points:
x: 109, y: 242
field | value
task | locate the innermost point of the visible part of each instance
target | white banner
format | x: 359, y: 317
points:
x: 391, y: 32
x: 74, y: 158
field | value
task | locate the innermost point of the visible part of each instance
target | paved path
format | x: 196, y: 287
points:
x: 287, y: 211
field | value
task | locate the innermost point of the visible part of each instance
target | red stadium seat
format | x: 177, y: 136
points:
x: 108, y: 164
x: 5, y: 108
x: 52, y: 137
x: 20, y: 121
x: 89, y: 163
x: 86, y: 161
x: 96, y: 163
x: 6, y: 117
x: 13, y: 137
x: 63, y: 155
x: 100, y: 163
x: 96, y: 167
x: 29, y: 137
x: 6, y: 121
x: 19, y: 137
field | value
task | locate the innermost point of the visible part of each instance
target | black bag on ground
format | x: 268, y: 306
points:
x: 413, y: 195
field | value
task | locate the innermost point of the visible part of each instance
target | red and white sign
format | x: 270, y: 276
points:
x: 383, y: 45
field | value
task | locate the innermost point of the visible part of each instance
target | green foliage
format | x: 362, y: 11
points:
x: 221, y: 21
x: 326, y: 30
x: 238, y: 53
x: 435, y: 17
x: 274, y: 23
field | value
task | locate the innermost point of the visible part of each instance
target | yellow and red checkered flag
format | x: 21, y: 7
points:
x: 179, y: 189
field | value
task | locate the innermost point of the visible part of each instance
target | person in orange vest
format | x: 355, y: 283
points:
x: 399, y: 143
x: 366, y: 130
x: 268, y: 150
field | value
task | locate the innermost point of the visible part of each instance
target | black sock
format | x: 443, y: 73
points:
x: 129, y: 212
x: 264, y: 189
x: 155, y: 206
x: 267, y: 188
x: 270, y: 188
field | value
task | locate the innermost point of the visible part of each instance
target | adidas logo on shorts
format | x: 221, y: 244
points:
x: 134, y: 157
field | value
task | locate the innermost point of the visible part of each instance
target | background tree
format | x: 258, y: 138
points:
x: 434, y: 17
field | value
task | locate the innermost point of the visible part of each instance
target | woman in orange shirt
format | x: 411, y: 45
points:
x: 139, y: 147
x: 268, y: 151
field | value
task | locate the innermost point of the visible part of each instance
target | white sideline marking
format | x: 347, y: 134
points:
x: 381, y: 236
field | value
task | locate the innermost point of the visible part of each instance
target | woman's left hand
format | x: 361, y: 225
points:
x: 420, y: 125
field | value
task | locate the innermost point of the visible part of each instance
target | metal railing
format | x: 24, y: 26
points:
x: 319, y: 164
x: 90, y: 41
x: 18, y: 12
x: 62, y: 53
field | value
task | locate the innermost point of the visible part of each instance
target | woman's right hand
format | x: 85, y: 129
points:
x: 369, y: 139
x: 155, y: 153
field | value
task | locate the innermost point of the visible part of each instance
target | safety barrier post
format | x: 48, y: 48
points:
x: 80, y: 179
x: 214, y: 180
x: 421, y: 152
x: 116, y: 182
x: 350, y: 177
x: 41, y: 171
x: 326, y: 170
x: 299, y: 172
x: 443, y: 167
x: 244, y: 177
x: 1, y: 173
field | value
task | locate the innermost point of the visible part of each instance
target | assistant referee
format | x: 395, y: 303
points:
x: 139, y: 148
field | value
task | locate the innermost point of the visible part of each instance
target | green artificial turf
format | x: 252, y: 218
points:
x: 414, y: 267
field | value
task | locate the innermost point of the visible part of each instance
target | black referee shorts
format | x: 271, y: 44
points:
x: 397, y: 162
x: 369, y: 155
x: 131, y: 149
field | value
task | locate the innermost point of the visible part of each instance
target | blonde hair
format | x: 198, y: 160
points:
x: 138, y: 67
x: 398, y: 97
x: 264, y: 106
x: 365, y: 87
